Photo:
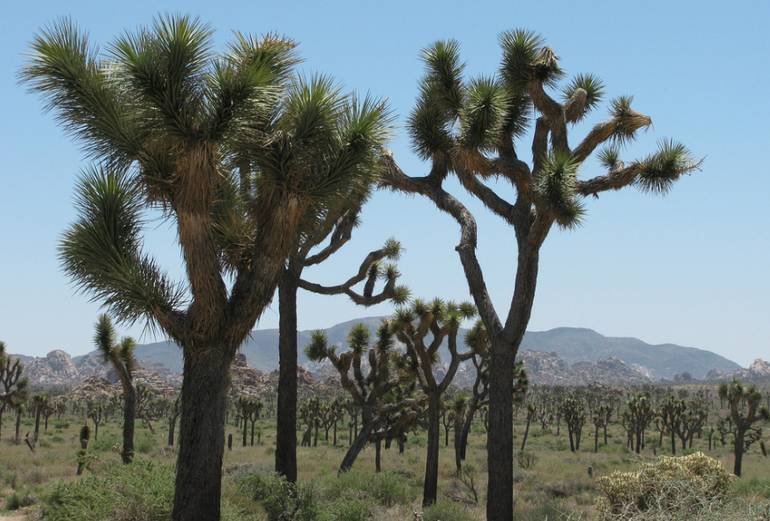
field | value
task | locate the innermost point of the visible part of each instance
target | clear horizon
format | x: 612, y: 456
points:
x: 690, y: 268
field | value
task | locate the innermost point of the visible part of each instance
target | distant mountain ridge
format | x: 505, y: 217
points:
x: 564, y: 355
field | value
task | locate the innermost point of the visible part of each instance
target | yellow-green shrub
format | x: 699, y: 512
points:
x: 675, y: 486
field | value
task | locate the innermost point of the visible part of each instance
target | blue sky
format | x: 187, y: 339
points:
x: 689, y: 268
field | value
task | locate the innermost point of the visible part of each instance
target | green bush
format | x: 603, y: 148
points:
x: 446, y: 511
x: 347, y: 510
x: 282, y: 500
x: 142, y: 491
x: 16, y: 501
x: 385, y: 488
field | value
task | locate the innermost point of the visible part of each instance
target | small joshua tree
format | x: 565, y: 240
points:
x: 84, y: 437
x: 95, y: 411
x: 745, y: 411
x: 574, y: 414
x: 172, y: 413
x: 367, y: 390
x: 671, y: 413
x: 423, y: 327
x: 39, y: 403
x: 531, y: 414
x: 636, y: 419
x: 601, y: 419
x: 13, y: 388
x: 121, y: 356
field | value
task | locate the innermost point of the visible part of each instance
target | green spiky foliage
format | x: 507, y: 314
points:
x: 746, y: 410
x: 13, y: 386
x: 471, y: 128
x: 240, y: 154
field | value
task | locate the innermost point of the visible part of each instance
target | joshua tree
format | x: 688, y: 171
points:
x: 468, y: 128
x: 237, y: 154
x: 121, y: 357
x: 85, y: 436
x: 13, y: 388
x: 368, y: 390
x: 337, y: 225
x: 636, y: 419
x: 745, y: 410
x: 173, y: 415
x: 574, y: 414
x: 95, y: 411
x: 39, y: 403
x: 693, y: 421
x: 531, y: 413
x: 423, y: 327
x: 601, y: 419
x: 671, y: 413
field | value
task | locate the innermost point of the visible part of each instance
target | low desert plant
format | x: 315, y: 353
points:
x: 673, y: 487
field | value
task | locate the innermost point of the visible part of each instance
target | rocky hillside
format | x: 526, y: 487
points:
x: 557, y: 356
x: 573, y: 345
x: 758, y: 371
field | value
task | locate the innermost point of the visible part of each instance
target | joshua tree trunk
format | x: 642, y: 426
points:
x: 357, y: 445
x: 505, y: 347
x: 430, y: 487
x: 467, y: 427
x: 526, y: 433
x: 37, y: 424
x: 129, y: 415
x: 171, y: 429
x: 202, y: 433
x: 596, y: 438
x: 739, y: 445
x: 286, y: 423
x: 378, y: 456
x: 17, y: 438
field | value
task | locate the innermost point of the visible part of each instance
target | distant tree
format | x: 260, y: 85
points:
x: 745, y: 411
x: 13, y: 387
x: 367, y: 389
x: 95, y: 411
x: 601, y: 419
x: 173, y: 415
x: 423, y: 327
x: 574, y: 413
x: 531, y: 414
x: 238, y: 153
x: 671, y: 413
x: 121, y: 356
x: 636, y: 419
x: 39, y: 403
x: 468, y: 128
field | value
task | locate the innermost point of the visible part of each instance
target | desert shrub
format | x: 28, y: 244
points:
x: 446, y: 511
x: 142, y: 491
x: 526, y: 460
x: 145, y: 444
x: 672, y: 486
x: 547, y: 510
x: 16, y: 501
x: 385, y: 488
x: 347, y: 510
x: 752, y: 487
x: 282, y: 500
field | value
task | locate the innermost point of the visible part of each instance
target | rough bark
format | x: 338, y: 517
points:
x: 286, y: 422
x: 430, y: 485
x: 358, y: 444
x: 206, y: 379
x: 129, y: 415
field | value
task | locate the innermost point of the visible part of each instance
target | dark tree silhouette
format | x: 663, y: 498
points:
x: 745, y: 411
